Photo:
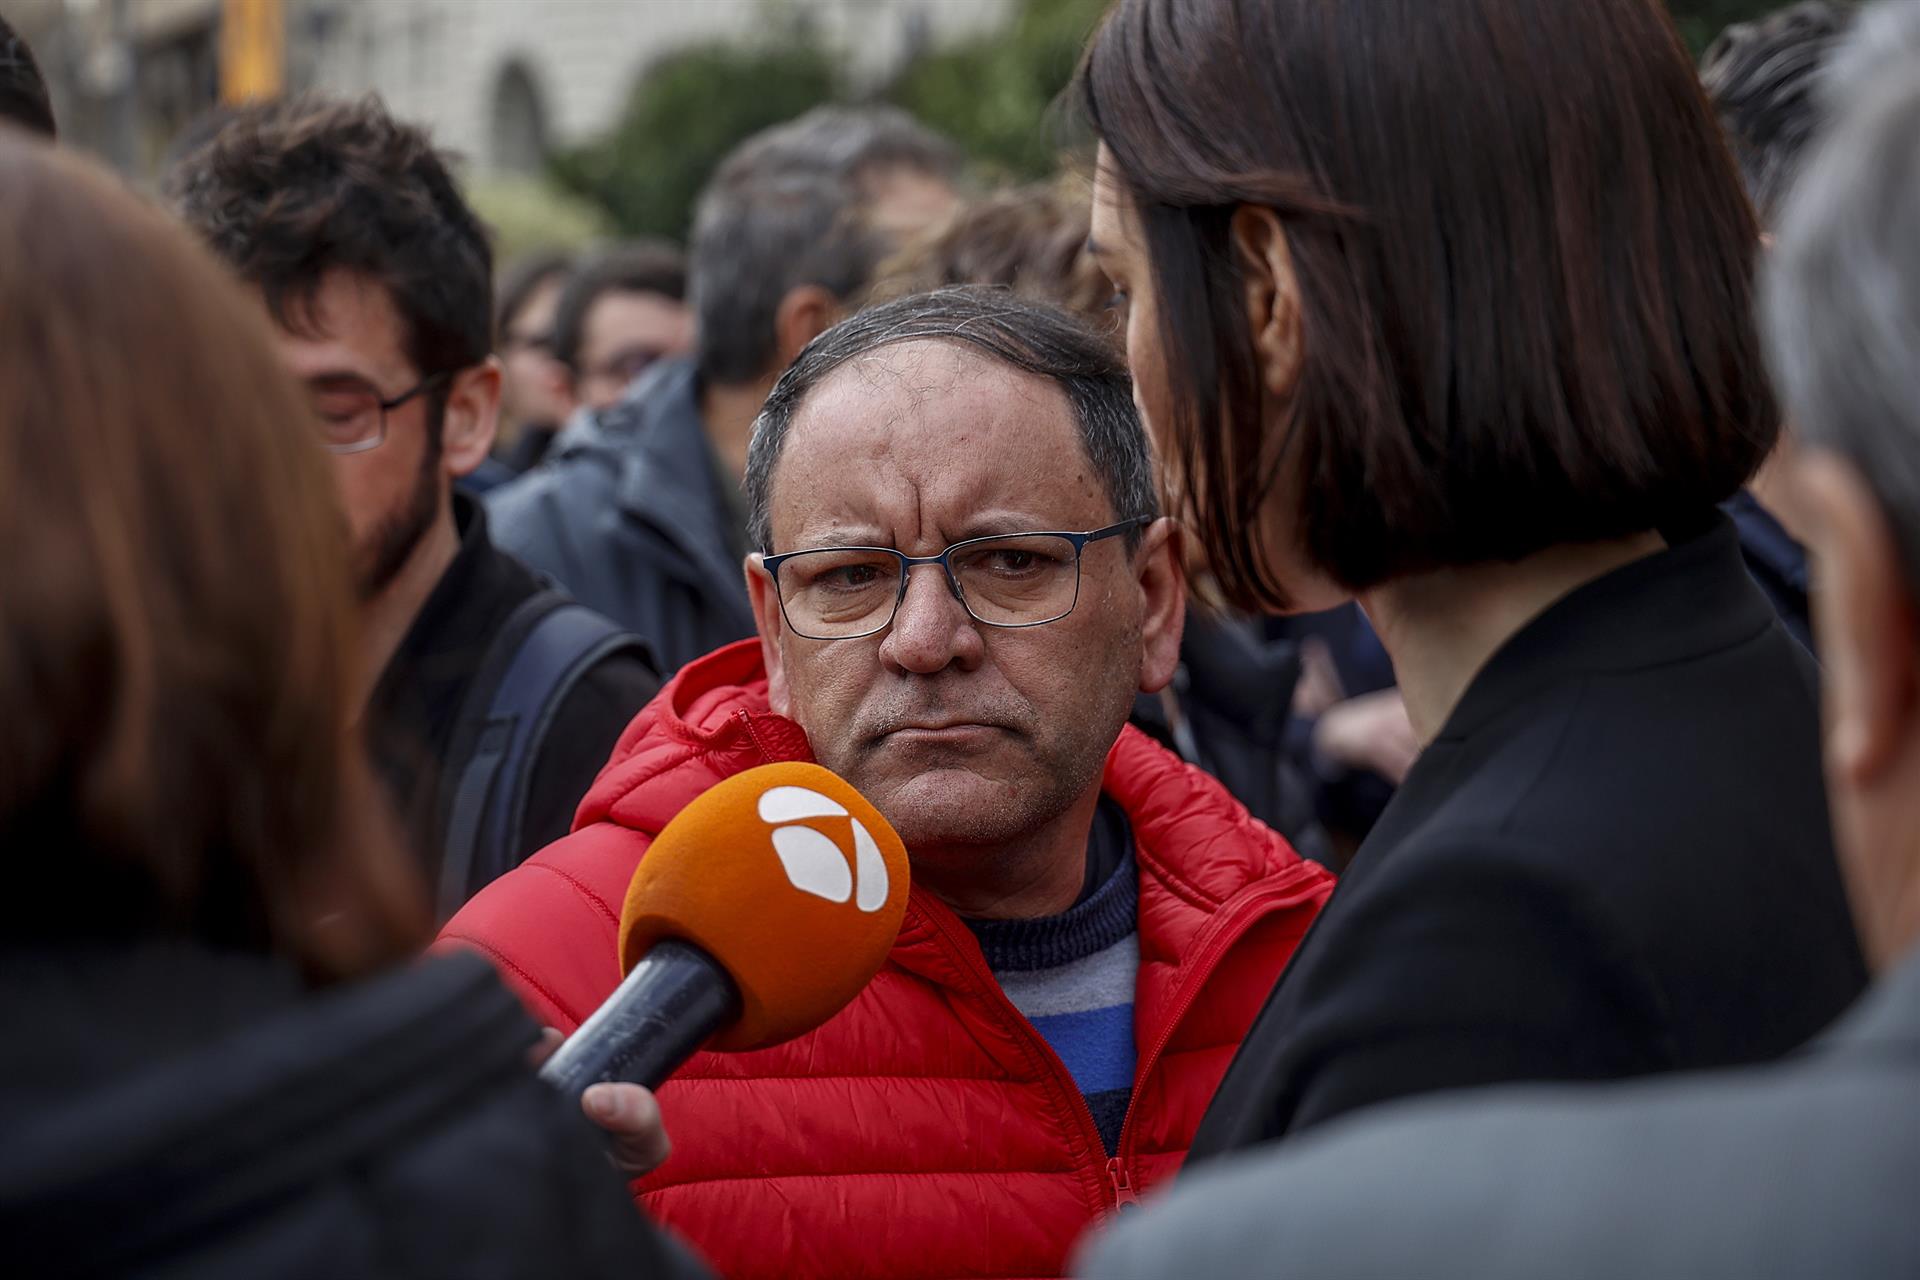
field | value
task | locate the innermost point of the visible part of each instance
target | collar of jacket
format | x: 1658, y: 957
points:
x: 1198, y: 848
x: 1690, y: 600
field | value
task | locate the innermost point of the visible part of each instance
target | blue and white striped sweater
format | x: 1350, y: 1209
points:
x: 1072, y: 976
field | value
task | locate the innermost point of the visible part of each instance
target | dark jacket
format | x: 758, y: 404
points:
x: 1803, y: 1168
x: 413, y: 716
x: 1229, y: 710
x: 629, y: 515
x: 175, y: 1111
x: 1613, y: 860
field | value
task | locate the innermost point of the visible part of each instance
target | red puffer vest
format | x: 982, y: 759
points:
x: 927, y: 1129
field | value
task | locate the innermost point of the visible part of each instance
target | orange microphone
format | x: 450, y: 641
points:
x: 758, y: 913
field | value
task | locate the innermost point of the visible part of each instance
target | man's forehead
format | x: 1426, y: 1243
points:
x: 900, y: 392
x: 956, y: 426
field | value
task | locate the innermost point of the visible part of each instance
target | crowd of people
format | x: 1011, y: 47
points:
x: 1321, y: 589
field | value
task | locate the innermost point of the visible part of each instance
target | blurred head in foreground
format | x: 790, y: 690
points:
x: 177, y: 657
x: 1843, y: 323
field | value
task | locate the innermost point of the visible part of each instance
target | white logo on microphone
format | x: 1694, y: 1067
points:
x: 815, y: 863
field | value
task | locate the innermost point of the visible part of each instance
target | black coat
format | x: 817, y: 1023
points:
x: 1613, y: 860
x: 171, y: 1111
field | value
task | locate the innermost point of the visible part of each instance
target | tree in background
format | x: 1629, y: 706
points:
x: 991, y: 94
x: 685, y: 113
x: 1701, y: 20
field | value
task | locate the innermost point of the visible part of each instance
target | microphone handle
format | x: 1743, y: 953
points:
x: 672, y: 1002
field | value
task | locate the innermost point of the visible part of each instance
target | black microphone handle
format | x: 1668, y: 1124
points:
x: 671, y: 1003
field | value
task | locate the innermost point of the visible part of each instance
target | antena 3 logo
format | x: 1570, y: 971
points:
x: 814, y: 862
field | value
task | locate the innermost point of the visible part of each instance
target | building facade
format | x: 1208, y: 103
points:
x: 501, y: 82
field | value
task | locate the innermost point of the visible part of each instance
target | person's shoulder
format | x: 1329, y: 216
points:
x: 550, y: 926
x: 564, y: 490
x: 1188, y: 827
x: 1771, y: 1171
x: 1637, y: 781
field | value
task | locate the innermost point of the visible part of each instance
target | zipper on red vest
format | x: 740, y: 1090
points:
x: 1123, y: 1196
x: 753, y: 735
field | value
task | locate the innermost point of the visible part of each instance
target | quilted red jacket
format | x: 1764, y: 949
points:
x: 927, y: 1129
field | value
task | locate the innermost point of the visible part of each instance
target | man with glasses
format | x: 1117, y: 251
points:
x: 377, y: 278
x: 622, y: 311
x: 960, y: 584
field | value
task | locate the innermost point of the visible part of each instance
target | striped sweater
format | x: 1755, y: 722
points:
x: 1072, y: 976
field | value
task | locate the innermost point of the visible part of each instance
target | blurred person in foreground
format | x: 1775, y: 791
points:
x: 639, y: 513
x: 376, y: 278
x: 215, y: 1063
x: 1804, y: 1168
x: 1762, y: 78
x: 1417, y: 326
x: 1092, y: 923
x: 1228, y: 707
x: 23, y: 91
x: 534, y: 399
x: 623, y: 312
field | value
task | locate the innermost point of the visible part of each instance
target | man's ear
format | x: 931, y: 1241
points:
x: 1272, y: 295
x: 767, y: 620
x: 1163, y: 594
x: 803, y: 315
x: 472, y: 417
x: 1864, y: 613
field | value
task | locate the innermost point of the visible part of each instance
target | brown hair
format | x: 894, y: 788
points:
x: 1523, y: 259
x: 286, y: 191
x: 1031, y: 239
x: 177, y: 655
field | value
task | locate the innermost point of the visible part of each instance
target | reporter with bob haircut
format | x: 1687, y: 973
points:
x: 1446, y: 306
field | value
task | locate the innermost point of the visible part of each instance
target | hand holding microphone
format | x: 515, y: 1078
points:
x: 760, y: 911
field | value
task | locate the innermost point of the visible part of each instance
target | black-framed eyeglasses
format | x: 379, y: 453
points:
x: 1008, y: 580
x: 624, y: 366
x: 351, y: 413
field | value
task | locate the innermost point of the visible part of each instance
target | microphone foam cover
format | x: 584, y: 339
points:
x: 790, y: 880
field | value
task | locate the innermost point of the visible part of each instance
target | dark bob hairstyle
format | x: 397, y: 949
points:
x: 1524, y: 264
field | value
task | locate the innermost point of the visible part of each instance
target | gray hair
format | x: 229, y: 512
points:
x: 1842, y: 294
x: 785, y: 210
x: 1764, y: 78
x: 1885, y: 39
x: 1028, y: 336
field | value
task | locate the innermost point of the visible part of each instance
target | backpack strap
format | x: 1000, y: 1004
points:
x: 536, y: 660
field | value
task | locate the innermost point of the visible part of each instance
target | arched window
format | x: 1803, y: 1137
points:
x: 519, y: 133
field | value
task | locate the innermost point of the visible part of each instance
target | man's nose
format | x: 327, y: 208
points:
x: 932, y: 629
